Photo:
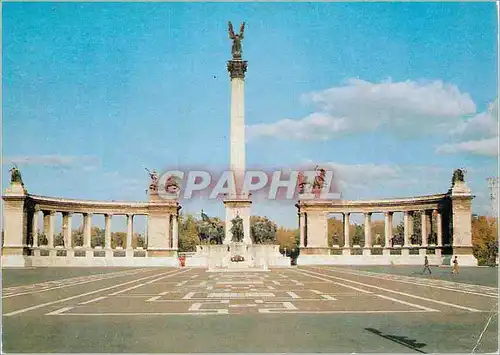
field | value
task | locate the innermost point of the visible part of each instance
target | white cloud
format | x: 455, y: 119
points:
x: 404, y: 107
x: 477, y: 135
x: 484, y: 124
x: 486, y: 146
x: 52, y: 160
x: 315, y: 126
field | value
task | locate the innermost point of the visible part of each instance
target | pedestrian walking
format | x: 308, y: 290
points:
x: 455, y: 269
x: 426, y: 266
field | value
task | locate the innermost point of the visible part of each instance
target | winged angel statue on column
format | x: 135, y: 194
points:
x: 237, y: 38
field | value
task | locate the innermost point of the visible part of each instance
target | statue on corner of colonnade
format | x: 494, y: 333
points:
x: 458, y: 176
x: 15, y: 176
x: 153, y: 186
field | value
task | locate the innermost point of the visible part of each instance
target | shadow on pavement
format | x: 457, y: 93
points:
x: 409, y: 343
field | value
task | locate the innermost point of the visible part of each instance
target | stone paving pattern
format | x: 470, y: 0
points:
x: 306, y: 309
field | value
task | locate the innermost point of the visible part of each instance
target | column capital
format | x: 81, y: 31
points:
x: 368, y: 214
x: 130, y: 215
x: 346, y: 213
x: 108, y: 215
x: 48, y: 212
x: 87, y: 214
x: 390, y: 213
x: 69, y: 214
x: 237, y: 68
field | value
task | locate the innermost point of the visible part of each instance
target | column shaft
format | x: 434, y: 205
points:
x: 439, y: 227
x: 175, y: 232
x: 34, y: 228
x: 48, y: 227
x: 347, y: 224
x: 130, y: 230
x: 406, y: 228
x: 87, y: 229
x: 388, y: 228
x: 424, y: 228
x: 67, y: 221
x: 302, y: 226
x: 107, y: 231
x: 368, y: 230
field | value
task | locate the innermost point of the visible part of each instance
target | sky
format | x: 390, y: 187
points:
x: 391, y: 96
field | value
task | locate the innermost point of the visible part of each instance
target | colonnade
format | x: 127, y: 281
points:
x: 67, y: 230
x: 408, y: 216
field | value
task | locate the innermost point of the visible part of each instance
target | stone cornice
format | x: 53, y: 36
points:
x: 99, y: 207
x: 382, y: 205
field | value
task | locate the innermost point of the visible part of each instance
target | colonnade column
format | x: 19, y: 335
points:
x: 347, y: 242
x: 66, y: 227
x: 368, y: 230
x: 387, y: 229
x: 48, y: 227
x: 87, y: 228
x: 175, y: 232
x: 34, y: 228
x: 424, y: 227
x: 130, y: 230
x: 439, y: 227
x: 406, y: 220
x: 302, y: 223
x: 107, y: 231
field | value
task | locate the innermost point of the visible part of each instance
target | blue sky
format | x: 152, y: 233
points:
x: 393, y: 96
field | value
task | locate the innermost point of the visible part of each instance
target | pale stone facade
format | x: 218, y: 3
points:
x: 452, y: 211
x: 21, y: 240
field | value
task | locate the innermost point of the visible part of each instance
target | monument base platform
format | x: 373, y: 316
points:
x: 256, y: 257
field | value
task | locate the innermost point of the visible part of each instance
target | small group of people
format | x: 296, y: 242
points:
x: 454, y: 269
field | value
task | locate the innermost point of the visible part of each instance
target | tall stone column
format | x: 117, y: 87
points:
x: 302, y: 226
x: 347, y: 242
x: 439, y: 229
x: 34, y: 228
x: 424, y: 218
x: 237, y: 204
x: 107, y: 231
x: 175, y: 232
x: 130, y: 230
x: 48, y: 227
x: 87, y: 230
x: 67, y: 227
x: 406, y: 221
x: 368, y: 230
x: 388, y: 228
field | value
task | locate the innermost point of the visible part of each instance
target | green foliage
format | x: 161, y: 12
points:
x: 262, y: 230
x: 188, y: 233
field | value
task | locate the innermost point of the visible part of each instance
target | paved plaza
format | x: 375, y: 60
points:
x: 306, y: 309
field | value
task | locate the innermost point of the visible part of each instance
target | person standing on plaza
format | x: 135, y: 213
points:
x: 455, y: 268
x: 426, y: 266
